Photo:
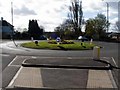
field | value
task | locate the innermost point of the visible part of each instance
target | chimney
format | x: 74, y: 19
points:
x: 1, y: 18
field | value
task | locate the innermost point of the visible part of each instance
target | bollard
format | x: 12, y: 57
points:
x: 32, y: 39
x: 96, y: 53
x: 91, y: 41
x: 36, y: 42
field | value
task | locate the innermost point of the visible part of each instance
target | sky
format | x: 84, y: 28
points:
x: 51, y: 13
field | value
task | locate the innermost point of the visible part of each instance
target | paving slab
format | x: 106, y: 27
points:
x: 28, y: 77
x: 99, y: 79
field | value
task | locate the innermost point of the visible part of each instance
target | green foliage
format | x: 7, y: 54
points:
x: 46, y: 45
x: 90, y: 28
x: 34, y: 30
x: 96, y: 28
x: 52, y: 42
x: 65, y: 30
x: 62, y: 42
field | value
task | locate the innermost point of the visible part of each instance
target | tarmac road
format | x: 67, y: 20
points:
x: 8, y: 48
x: 108, y: 50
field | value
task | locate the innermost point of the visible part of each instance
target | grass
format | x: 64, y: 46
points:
x: 46, y: 45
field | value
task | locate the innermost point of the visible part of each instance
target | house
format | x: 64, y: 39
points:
x: 6, y: 29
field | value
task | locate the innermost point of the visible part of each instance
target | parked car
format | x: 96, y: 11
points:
x: 83, y: 38
x: 43, y: 37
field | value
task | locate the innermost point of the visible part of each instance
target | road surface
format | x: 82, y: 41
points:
x: 13, y: 56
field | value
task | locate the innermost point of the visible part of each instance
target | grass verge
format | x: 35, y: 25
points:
x: 46, y: 45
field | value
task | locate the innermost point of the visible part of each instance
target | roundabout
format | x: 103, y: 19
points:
x: 64, y: 45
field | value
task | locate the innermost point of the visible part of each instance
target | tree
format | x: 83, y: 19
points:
x: 97, y: 27
x: 90, y: 28
x: 65, y: 30
x: 17, y: 35
x: 34, y: 30
x: 25, y: 35
x: 101, y: 25
x: 76, y: 15
x: 60, y: 31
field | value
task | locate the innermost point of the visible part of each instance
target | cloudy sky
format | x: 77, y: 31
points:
x: 51, y: 13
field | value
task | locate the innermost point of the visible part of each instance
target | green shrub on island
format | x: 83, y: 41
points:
x: 52, y: 42
x: 62, y: 42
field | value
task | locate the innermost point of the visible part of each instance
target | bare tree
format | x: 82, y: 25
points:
x: 76, y: 15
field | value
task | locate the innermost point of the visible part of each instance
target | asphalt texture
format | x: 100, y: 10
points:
x: 6, y: 59
x: 69, y: 63
x: 65, y: 61
x: 62, y: 78
x: 8, y: 74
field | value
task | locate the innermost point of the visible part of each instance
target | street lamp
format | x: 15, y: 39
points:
x: 107, y: 15
x: 119, y: 11
x: 12, y: 24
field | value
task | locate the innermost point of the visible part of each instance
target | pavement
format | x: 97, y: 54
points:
x: 62, y: 78
x: 54, y: 76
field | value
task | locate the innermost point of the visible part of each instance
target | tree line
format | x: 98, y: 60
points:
x: 34, y: 30
x: 72, y: 27
x: 94, y: 28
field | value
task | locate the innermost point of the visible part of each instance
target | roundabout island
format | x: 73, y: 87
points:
x: 62, y: 45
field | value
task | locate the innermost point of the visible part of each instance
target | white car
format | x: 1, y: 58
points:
x: 82, y: 38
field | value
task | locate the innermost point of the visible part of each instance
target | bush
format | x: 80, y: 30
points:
x: 52, y: 42
x: 67, y: 42
x: 63, y: 42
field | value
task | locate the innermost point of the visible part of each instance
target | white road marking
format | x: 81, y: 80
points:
x: 112, y: 79
x: 12, y: 61
x: 69, y: 58
x: 114, y: 62
x: 34, y: 57
x: 15, y: 77
x: 5, y: 55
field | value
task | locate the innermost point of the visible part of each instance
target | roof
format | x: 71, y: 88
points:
x: 5, y: 23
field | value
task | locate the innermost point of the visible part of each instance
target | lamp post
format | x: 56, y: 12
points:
x: 12, y: 24
x: 107, y: 15
x: 119, y: 11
